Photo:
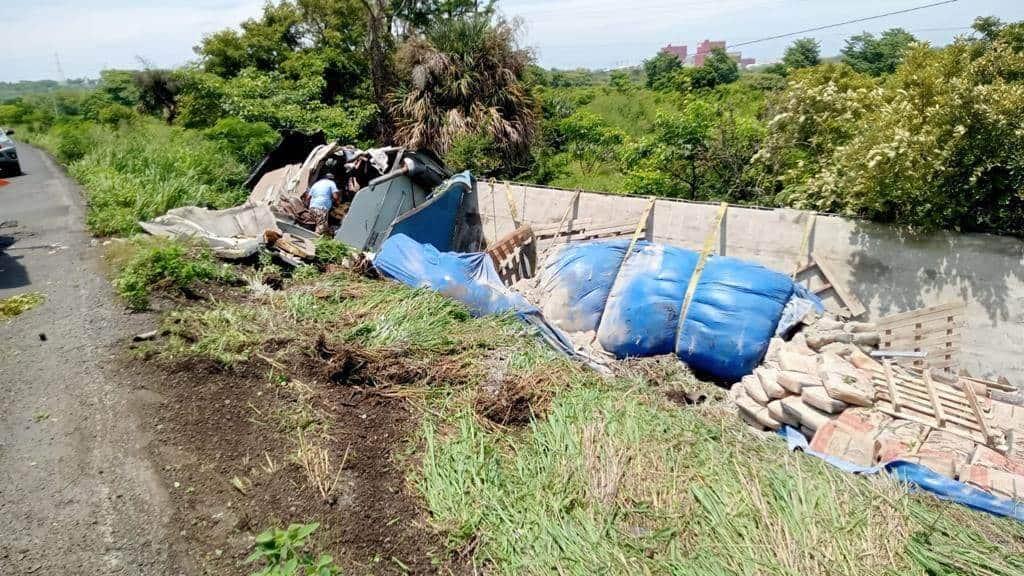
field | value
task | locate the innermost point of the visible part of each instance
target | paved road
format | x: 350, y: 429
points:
x: 77, y: 495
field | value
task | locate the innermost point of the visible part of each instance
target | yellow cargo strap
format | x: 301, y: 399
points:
x: 709, y: 242
x: 641, y: 225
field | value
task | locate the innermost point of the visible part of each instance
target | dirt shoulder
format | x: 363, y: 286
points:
x: 225, y: 442
x: 78, y: 494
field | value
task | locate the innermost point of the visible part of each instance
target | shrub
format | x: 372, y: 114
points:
x: 142, y: 170
x: 329, y: 251
x: 281, y: 552
x: 73, y: 140
x: 159, y: 264
x: 248, y: 141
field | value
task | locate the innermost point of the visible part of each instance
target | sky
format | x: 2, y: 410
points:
x: 86, y: 36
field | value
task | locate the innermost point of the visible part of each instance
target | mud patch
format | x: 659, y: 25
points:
x: 231, y: 473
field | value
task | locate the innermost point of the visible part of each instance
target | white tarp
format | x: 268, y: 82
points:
x: 231, y: 233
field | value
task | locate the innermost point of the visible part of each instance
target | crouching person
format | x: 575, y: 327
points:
x: 323, y: 194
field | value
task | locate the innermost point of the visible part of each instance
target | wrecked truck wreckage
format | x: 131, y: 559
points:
x: 790, y: 346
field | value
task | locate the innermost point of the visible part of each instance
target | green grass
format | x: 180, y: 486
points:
x: 147, y: 263
x: 610, y: 477
x: 140, y: 170
x: 19, y: 304
x: 616, y: 481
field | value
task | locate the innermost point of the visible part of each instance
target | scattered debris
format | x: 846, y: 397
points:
x: 144, y: 336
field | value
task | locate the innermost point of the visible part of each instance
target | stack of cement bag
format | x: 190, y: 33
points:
x: 807, y: 382
x: 820, y: 383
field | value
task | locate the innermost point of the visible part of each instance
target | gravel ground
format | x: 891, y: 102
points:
x: 77, y: 492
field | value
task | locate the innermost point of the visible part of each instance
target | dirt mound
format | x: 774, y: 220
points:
x: 352, y: 365
x: 515, y: 401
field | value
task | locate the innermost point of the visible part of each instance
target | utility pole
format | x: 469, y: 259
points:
x: 60, y: 70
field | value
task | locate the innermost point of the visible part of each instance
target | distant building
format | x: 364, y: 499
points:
x: 680, y: 52
x: 705, y: 48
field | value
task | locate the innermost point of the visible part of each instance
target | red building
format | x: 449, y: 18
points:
x: 680, y: 52
x: 704, y: 50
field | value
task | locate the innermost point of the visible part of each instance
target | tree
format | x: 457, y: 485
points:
x: 935, y: 145
x: 802, y: 53
x: 462, y: 77
x: 660, y: 71
x: 589, y: 140
x: 719, y: 68
x: 263, y: 43
x: 419, y: 15
x: 158, y: 92
x: 620, y: 80
x: 877, y: 56
x: 725, y: 68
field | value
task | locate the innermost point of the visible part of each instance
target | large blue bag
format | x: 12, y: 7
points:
x: 576, y: 280
x: 635, y: 306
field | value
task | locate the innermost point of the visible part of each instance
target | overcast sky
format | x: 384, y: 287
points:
x: 88, y: 35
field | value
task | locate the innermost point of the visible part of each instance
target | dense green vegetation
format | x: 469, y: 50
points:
x: 894, y: 131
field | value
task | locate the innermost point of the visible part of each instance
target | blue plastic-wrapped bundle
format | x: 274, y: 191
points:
x: 576, y: 281
x: 732, y: 317
x: 635, y: 306
x: 644, y: 304
x: 468, y: 278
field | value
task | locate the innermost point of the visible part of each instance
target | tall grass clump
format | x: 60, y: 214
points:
x: 141, y: 170
x: 146, y: 264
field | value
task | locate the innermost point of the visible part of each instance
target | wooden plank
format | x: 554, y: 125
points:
x: 564, y: 226
x: 973, y: 399
x: 591, y: 229
x: 940, y: 416
x: 887, y: 367
x: 930, y: 423
x: 913, y: 314
x: 991, y: 384
x: 924, y: 411
x: 928, y: 329
x: 924, y: 324
x: 850, y: 301
x: 910, y: 395
x: 904, y: 390
x: 932, y: 344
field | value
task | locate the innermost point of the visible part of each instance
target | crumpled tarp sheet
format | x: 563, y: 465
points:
x: 468, y: 278
x: 924, y: 478
x: 635, y: 306
x: 231, y: 233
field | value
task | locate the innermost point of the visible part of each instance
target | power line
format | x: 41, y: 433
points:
x: 854, y: 21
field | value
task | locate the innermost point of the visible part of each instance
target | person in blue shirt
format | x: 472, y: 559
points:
x: 323, y: 194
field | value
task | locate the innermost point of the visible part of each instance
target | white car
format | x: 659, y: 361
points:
x: 8, y: 153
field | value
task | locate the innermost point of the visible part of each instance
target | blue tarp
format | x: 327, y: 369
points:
x: 433, y: 222
x: 468, y: 278
x: 920, y: 476
x: 635, y: 306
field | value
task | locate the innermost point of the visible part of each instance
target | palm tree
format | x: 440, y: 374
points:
x: 464, y: 77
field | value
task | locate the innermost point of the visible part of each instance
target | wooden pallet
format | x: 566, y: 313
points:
x: 936, y: 330
x: 514, y: 255
x: 957, y: 406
